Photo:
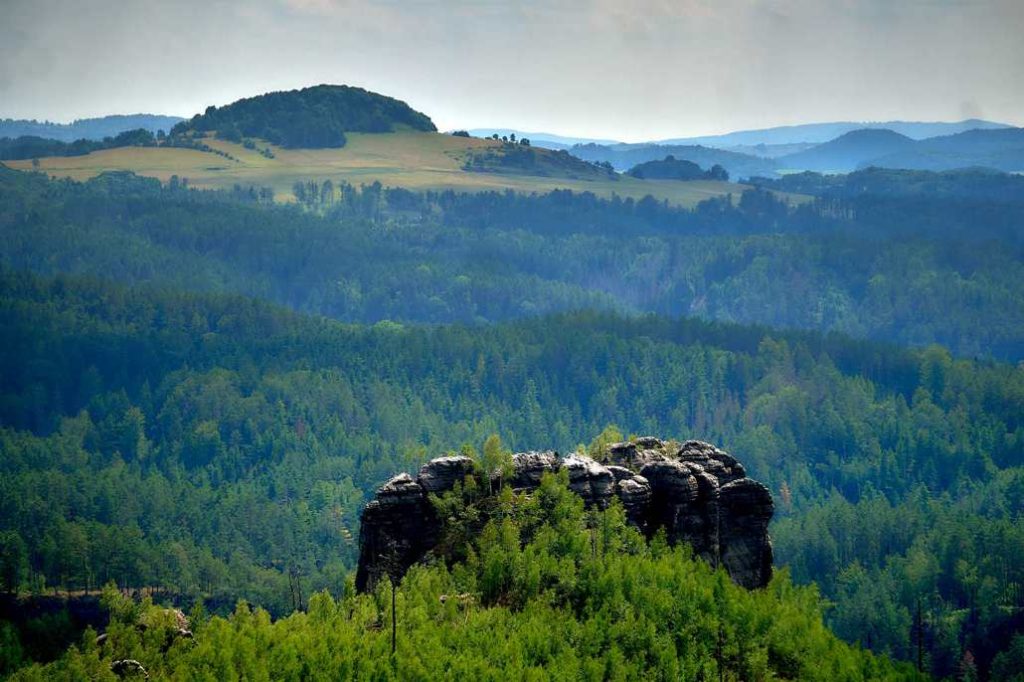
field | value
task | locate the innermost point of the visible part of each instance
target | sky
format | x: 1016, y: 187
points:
x: 624, y: 69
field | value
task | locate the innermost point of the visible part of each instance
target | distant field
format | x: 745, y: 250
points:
x: 414, y: 160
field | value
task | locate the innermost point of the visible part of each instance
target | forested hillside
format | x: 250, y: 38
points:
x: 549, y: 592
x: 310, y: 118
x: 878, y: 259
x: 215, y: 445
x: 33, y: 147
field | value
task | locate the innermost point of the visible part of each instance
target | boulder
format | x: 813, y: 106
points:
x: 441, y: 474
x: 398, y: 528
x: 530, y: 467
x: 746, y: 508
x: 591, y: 481
x: 635, y: 494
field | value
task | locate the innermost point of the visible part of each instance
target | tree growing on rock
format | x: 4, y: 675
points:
x: 496, y: 461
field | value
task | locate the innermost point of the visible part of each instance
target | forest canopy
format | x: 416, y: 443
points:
x: 179, y: 409
x: 313, y: 117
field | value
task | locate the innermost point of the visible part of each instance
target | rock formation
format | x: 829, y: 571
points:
x: 695, y: 492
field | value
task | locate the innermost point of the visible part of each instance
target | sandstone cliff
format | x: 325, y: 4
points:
x: 695, y: 492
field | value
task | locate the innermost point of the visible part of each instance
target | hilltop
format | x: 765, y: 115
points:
x: 521, y: 158
x: 848, y: 151
x: 311, y: 118
x: 1001, y: 149
x: 276, y: 141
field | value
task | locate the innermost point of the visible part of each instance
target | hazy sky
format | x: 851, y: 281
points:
x: 622, y: 69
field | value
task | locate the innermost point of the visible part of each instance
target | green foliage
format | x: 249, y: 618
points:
x: 496, y: 459
x: 313, y: 117
x: 521, y: 158
x: 548, y: 592
x: 260, y: 450
x: 598, y: 447
x: 31, y: 147
x: 671, y: 168
x: 175, y: 434
x: 441, y: 257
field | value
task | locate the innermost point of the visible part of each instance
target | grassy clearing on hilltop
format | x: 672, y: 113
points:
x: 411, y: 159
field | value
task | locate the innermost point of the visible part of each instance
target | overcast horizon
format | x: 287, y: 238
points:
x: 589, y: 69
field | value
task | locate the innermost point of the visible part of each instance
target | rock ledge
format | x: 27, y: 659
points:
x: 697, y: 493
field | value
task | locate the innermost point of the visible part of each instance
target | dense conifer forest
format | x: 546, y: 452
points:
x: 200, y: 390
x: 310, y: 118
x: 878, y: 260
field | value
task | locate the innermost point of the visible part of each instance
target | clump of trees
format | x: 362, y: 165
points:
x: 671, y: 168
x: 30, y: 147
x: 314, y: 117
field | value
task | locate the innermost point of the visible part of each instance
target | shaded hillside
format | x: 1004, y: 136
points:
x: 87, y: 128
x: 848, y: 151
x: 999, y: 149
x: 314, y: 117
x: 624, y: 156
x: 910, y: 269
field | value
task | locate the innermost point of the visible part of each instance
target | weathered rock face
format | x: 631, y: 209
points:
x: 695, y: 492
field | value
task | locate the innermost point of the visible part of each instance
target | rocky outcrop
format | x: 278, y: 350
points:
x: 695, y: 492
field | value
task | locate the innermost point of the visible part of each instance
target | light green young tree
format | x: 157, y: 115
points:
x: 496, y: 460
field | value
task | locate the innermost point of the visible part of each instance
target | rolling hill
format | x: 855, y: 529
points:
x: 310, y: 118
x: 410, y: 159
x: 998, y: 149
x: 848, y: 151
x: 351, y: 135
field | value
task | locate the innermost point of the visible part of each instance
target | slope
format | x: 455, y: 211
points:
x: 998, y: 149
x: 212, y: 444
x: 314, y: 117
x: 410, y: 159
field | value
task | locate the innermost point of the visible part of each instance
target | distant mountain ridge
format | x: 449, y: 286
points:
x: 546, y: 140
x: 87, y: 128
x: 999, y: 149
x: 625, y: 156
x: 749, y: 141
x: 840, y: 146
x: 824, y: 132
